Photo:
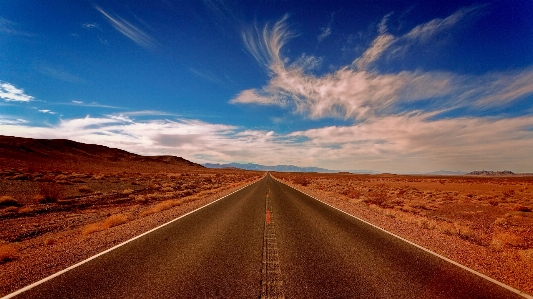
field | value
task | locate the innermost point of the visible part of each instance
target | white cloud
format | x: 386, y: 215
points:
x: 90, y: 26
x: 46, y: 111
x: 8, y: 92
x: 129, y: 30
x: 265, y: 45
x: 324, y: 32
x: 379, y: 45
x: 254, y: 96
x: 425, y: 32
x: 60, y: 74
x: 396, y: 143
x: 11, y: 121
x: 358, y: 92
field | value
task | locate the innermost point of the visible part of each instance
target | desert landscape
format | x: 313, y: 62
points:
x: 482, y: 222
x: 62, y: 202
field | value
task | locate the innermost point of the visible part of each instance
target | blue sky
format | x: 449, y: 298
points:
x: 393, y: 86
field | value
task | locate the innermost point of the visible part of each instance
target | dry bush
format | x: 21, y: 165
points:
x: 500, y: 222
x: 301, y: 180
x: 521, y: 208
x: 49, y: 241
x: 494, y: 202
x: 127, y: 191
x: 352, y: 193
x: 378, y: 197
x: 165, y: 205
x: 114, y: 220
x: 92, y: 228
x: 508, y: 193
x: 85, y: 189
x: 419, y: 204
x: 98, y: 177
x: 426, y: 223
x: 50, y: 192
x: 526, y: 255
x: 111, y: 221
x: 8, y: 201
x: 506, y: 239
x: 25, y: 210
x: 8, y: 253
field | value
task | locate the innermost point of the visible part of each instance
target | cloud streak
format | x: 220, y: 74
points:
x: 129, y: 30
x: 10, y: 93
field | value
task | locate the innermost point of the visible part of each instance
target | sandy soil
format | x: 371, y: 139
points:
x: 484, y: 223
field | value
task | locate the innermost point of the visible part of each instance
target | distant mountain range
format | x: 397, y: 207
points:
x: 281, y: 168
x: 293, y: 168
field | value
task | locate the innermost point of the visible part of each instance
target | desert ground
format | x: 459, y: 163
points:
x: 484, y: 223
x: 62, y: 202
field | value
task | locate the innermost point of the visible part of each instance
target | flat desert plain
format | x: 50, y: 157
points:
x: 484, y: 223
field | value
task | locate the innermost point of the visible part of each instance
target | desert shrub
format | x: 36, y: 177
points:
x: 301, y: 180
x: 506, y: 239
x: 8, y: 253
x: 521, y: 208
x: 500, y: 222
x: 50, y: 192
x: 378, y: 197
x: 167, y: 189
x: 508, y: 193
x: 426, y: 223
x: 165, y: 205
x: 127, y: 191
x: 526, y: 255
x: 419, y: 204
x: 92, y: 228
x: 352, y: 193
x: 49, y: 241
x: 114, y: 220
x: 111, y: 221
x: 8, y: 201
x: 494, y: 202
x: 84, y: 189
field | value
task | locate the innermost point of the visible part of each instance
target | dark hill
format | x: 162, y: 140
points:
x: 50, y: 154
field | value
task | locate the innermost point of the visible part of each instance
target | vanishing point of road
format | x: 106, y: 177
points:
x: 267, y: 241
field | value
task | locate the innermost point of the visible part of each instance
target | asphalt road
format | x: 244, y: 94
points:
x: 300, y: 248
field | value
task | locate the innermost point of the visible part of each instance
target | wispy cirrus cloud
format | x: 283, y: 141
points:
x: 359, y: 92
x: 129, y: 30
x: 60, y: 74
x: 91, y: 26
x: 10, y: 27
x: 10, y: 93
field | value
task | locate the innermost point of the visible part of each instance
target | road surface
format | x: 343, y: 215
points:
x: 267, y: 241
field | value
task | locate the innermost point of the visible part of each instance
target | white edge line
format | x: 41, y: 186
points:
x: 31, y: 286
x: 503, y: 285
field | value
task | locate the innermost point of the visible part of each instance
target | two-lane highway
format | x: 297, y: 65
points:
x: 310, y: 249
